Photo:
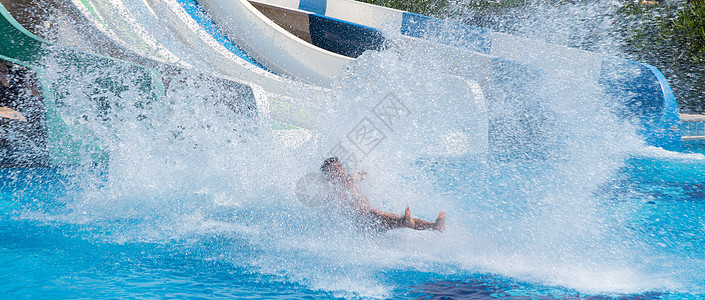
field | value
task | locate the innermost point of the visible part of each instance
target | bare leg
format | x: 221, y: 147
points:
x: 389, y: 220
x: 439, y: 224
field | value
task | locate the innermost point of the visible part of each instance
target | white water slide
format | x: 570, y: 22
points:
x: 624, y: 80
x: 272, y: 45
x: 286, y: 53
x: 165, y: 30
x: 162, y: 30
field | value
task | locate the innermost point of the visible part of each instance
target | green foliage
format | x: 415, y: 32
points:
x: 688, y: 31
x: 640, y: 26
x: 680, y: 28
x: 507, y: 4
x: 435, y: 8
x: 510, y: 4
x: 672, y: 38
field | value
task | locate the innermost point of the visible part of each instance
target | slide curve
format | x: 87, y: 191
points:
x: 640, y: 87
x: 273, y: 46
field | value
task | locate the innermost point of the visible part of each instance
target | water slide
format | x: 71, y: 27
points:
x: 261, y: 33
x: 642, y: 88
x: 263, y: 37
x: 244, y: 100
x: 67, y: 141
x: 61, y: 22
x: 31, y: 132
x: 335, y: 35
x: 174, y: 33
x: 93, y: 26
x: 277, y: 48
x: 168, y: 33
x: 165, y: 31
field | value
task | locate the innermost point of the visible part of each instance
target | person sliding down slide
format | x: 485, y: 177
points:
x: 349, y: 195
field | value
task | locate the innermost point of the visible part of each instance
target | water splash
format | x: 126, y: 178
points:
x: 190, y: 169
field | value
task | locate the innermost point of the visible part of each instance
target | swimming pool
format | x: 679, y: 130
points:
x: 58, y: 242
x: 563, y: 200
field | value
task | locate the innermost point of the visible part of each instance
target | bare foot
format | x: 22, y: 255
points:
x: 440, y: 223
x: 408, y: 221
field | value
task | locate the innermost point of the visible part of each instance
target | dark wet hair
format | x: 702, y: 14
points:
x: 328, y: 162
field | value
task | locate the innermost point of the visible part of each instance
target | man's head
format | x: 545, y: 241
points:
x: 332, y: 167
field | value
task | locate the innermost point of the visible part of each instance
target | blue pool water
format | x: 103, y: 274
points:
x: 51, y: 248
x: 548, y: 194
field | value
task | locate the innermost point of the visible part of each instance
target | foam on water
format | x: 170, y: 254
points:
x: 188, y: 169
